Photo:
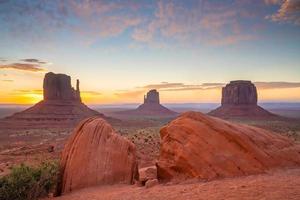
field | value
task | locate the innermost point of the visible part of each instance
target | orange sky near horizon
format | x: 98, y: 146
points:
x: 110, y: 97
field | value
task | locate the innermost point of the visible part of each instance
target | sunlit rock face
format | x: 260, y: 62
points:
x: 58, y: 87
x: 239, y: 99
x: 195, y: 145
x: 96, y: 155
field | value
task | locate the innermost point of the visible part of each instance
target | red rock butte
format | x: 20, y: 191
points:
x: 61, y: 105
x: 151, y: 107
x: 239, y: 99
x: 195, y: 145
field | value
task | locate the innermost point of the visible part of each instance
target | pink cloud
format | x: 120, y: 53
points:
x: 23, y: 67
x: 289, y: 12
x: 204, y: 23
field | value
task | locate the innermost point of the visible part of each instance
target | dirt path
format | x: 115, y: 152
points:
x: 276, y: 185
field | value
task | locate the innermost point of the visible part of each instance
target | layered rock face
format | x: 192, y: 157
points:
x: 197, y: 146
x: 96, y: 155
x: 61, y: 105
x: 239, y: 93
x: 151, y: 107
x: 239, y: 99
x: 58, y: 87
x: 152, y: 97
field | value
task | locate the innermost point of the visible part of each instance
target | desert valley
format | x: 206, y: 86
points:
x: 149, y: 100
x: 168, y: 152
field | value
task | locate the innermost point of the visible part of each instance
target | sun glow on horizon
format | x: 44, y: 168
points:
x: 194, y: 96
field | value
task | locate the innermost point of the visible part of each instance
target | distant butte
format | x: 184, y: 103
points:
x: 61, y: 105
x: 239, y: 99
x: 151, y: 107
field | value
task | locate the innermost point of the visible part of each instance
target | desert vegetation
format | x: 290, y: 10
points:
x: 29, y: 182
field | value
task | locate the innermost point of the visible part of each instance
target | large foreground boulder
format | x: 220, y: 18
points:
x: 96, y: 155
x: 197, y: 146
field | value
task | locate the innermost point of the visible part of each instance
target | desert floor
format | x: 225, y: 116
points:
x: 277, y: 184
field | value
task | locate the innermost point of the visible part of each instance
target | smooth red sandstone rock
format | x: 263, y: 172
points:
x: 197, y: 146
x: 96, y: 155
x: 151, y: 183
x: 147, y: 173
x: 239, y: 99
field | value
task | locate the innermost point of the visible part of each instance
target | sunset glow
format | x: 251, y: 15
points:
x: 118, y: 50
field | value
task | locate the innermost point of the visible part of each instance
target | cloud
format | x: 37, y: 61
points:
x: 289, y: 12
x: 175, y: 87
x: 153, y: 23
x: 28, y: 91
x: 276, y: 85
x: 273, y: 2
x: 88, y: 19
x: 23, y: 67
x: 130, y: 93
x: 206, y: 22
x: 8, y: 80
x: 33, y: 60
x: 163, y: 85
x: 90, y: 93
x: 166, y: 86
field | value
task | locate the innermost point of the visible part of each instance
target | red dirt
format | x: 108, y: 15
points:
x: 276, y: 185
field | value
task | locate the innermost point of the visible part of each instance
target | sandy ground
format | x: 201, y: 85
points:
x: 275, y: 185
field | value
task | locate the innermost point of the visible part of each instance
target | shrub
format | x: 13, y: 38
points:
x: 29, y: 183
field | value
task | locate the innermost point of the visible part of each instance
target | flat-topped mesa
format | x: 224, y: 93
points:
x: 61, y: 106
x: 152, y: 97
x: 239, y: 93
x: 239, y: 99
x: 58, y: 87
x: 150, y: 107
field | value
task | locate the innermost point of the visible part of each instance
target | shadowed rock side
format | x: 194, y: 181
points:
x: 96, y: 155
x: 151, y: 107
x: 58, y: 87
x: 197, y: 146
x: 61, y: 105
x: 239, y: 99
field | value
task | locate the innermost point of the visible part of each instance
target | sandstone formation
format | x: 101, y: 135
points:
x: 197, y: 146
x: 147, y: 174
x: 58, y: 87
x: 152, y: 97
x: 61, y: 105
x: 96, y: 155
x: 239, y: 99
x: 151, y: 107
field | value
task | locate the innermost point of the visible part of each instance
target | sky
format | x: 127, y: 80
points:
x: 119, y: 49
